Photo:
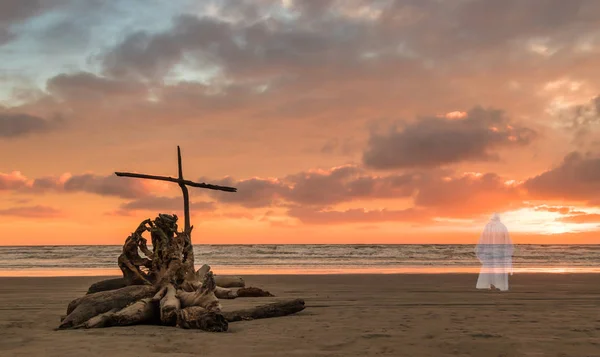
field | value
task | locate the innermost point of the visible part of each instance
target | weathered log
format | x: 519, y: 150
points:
x: 144, y: 311
x: 169, y: 305
x: 200, y: 273
x: 228, y: 293
x: 93, y: 304
x: 196, y: 317
x: 108, y: 284
x: 253, y: 292
x: 204, y: 296
x: 277, y: 309
x: 72, y: 305
x: 225, y: 281
x: 98, y: 320
x: 225, y: 293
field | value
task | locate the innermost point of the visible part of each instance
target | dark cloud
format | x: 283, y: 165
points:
x: 109, y: 185
x: 5, y: 36
x: 582, y: 119
x: 315, y: 188
x: 143, y: 55
x: 13, y: 125
x: 343, y: 184
x: 441, y: 193
x: 577, y: 178
x: 15, y: 11
x: 252, y: 193
x: 32, y: 212
x: 88, y: 87
x: 432, y: 141
x: 259, y: 39
x: 330, y: 62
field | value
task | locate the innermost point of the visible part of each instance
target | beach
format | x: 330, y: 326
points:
x: 345, y: 315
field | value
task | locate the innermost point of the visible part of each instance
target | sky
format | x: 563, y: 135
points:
x: 338, y: 121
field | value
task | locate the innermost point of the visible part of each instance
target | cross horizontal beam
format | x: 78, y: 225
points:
x: 179, y: 181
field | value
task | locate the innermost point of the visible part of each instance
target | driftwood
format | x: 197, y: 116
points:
x: 169, y: 305
x: 196, y: 317
x: 229, y: 281
x: 253, y: 292
x: 109, y: 284
x: 200, y: 318
x: 83, y: 309
x: 266, y: 311
x: 143, y: 311
x: 162, y: 287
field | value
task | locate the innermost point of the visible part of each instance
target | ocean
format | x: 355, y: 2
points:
x: 304, y: 259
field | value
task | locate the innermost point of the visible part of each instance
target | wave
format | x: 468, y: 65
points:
x: 371, y: 255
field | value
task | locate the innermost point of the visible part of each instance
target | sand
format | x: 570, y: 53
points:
x: 346, y: 315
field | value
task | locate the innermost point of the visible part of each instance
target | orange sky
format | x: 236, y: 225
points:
x: 338, y: 121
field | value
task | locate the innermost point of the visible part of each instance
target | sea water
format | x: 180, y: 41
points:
x: 303, y: 259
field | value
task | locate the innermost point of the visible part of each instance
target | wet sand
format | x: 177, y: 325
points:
x: 346, y: 315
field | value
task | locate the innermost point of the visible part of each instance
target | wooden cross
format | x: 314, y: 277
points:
x: 183, y: 184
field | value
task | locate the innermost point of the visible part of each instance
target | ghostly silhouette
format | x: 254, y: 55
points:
x: 494, y: 251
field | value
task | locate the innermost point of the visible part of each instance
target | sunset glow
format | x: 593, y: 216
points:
x: 337, y: 121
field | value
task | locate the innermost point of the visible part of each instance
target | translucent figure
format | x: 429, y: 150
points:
x: 494, y: 251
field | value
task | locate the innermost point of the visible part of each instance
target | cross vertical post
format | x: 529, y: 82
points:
x: 183, y: 183
x: 186, y: 195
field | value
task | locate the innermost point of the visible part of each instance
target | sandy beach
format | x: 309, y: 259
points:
x: 346, y: 315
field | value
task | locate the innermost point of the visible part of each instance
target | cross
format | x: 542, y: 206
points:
x: 183, y: 184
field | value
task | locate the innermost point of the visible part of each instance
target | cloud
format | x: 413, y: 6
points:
x: 577, y: 178
x: 311, y: 216
x: 441, y: 193
x: 15, y: 11
x: 343, y: 184
x: 88, y: 87
x: 314, y: 188
x: 581, y: 218
x: 330, y: 65
x: 12, y: 181
x: 252, y: 193
x: 32, y: 212
x: 13, y: 125
x: 321, y: 71
x: 109, y: 185
x: 583, y: 119
x: 555, y: 209
x: 432, y: 141
x: 142, y: 55
x: 5, y: 36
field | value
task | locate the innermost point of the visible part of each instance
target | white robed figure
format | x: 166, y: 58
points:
x: 494, y: 251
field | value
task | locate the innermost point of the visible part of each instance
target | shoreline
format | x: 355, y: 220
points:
x: 285, y: 271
